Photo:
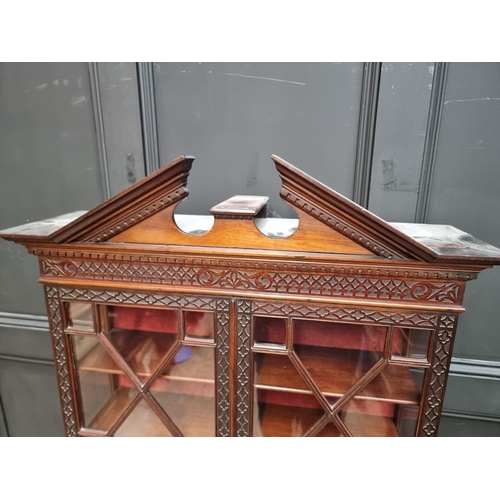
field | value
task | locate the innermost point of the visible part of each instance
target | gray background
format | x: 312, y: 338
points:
x: 72, y: 134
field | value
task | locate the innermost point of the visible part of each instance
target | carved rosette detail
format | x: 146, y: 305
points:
x: 324, y: 285
x: 439, y: 373
x: 140, y: 298
x: 61, y: 361
x: 222, y: 354
x: 243, y: 367
x: 345, y: 314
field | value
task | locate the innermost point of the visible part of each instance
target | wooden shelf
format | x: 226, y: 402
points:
x: 143, y: 354
x: 335, y: 371
x: 282, y: 421
x: 193, y: 415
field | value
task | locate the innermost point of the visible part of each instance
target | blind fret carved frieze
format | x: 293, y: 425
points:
x: 439, y: 372
x: 138, y: 298
x: 323, y: 285
x: 64, y: 263
x: 223, y: 383
x: 243, y: 309
x: 61, y: 360
x: 345, y: 314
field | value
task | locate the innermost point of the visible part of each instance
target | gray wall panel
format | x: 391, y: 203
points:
x: 466, y: 191
x: 30, y: 399
x: 479, y: 396
x: 48, y: 162
x: 121, y: 115
x: 4, y: 432
x: 22, y: 342
x: 466, y: 427
x: 233, y: 116
x: 405, y: 90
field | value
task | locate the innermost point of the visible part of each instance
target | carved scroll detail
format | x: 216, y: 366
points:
x: 243, y: 367
x: 223, y: 385
x: 439, y: 373
x: 61, y: 361
x: 328, y: 285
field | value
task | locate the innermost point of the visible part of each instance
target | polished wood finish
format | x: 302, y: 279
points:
x: 335, y: 371
x: 178, y: 316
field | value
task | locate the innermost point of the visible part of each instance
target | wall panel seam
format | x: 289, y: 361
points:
x: 147, y: 102
x: 25, y: 359
x: 434, y: 119
x: 366, y: 132
x: 470, y: 416
x: 99, y: 125
x: 3, y: 420
x: 25, y: 321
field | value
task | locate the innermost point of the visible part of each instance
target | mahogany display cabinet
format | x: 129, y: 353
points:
x: 237, y: 324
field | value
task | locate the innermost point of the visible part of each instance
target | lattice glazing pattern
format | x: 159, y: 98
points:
x: 138, y: 374
x: 337, y: 379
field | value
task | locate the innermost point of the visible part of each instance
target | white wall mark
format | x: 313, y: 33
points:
x: 77, y: 100
x: 472, y: 100
x: 264, y: 78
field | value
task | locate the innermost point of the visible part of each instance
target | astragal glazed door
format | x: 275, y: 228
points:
x: 142, y: 364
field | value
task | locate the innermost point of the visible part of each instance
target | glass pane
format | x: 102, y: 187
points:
x: 79, y: 315
x: 329, y: 430
x: 408, y: 421
x: 141, y: 319
x: 283, y: 403
x: 142, y: 337
x: 142, y: 422
x: 186, y: 390
x: 104, y: 391
x: 388, y: 405
x: 273, y: 371
x: 334, y: 356
x: 363, y: 420
x: 282, y: 414
x: 339, y: 335
x: 395, y: 384
x: 337, y: 355
x: 411, y: 343
x: 269, y: 331
x: 199, y: 325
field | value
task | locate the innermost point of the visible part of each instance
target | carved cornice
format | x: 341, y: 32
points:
x: 296, y: 283
x: 308, y: 195
x: 162, y: 189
